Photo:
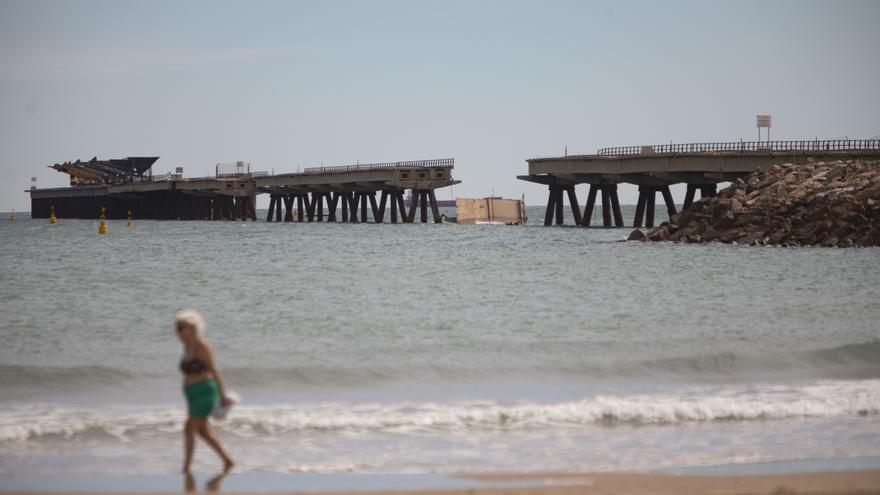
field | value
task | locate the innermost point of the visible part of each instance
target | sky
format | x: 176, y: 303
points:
x: 287, y: 85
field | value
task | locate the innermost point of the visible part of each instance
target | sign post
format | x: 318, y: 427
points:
x: 763, y: 121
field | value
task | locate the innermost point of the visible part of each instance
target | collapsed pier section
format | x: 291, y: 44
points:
x: 128, y: 185
x: 207, y: 199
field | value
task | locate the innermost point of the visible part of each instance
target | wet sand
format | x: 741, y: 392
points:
x: 832, y: 482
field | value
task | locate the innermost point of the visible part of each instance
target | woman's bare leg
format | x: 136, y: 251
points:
x: 213, y: 485
x: 189, y: 440
x: 189, y: 483
x: 211, y: 440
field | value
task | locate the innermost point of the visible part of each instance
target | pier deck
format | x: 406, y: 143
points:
x: 353, y: 189
x: 654, y: 168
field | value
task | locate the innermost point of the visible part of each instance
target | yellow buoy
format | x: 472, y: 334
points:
x: 130, y: 224
x: 102, y: 226
x: 52, y: 218
x: 12, y: 218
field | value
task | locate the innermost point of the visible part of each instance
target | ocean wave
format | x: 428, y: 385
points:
x: 21, y: 376
x: 848, y: 361
x: 857, y: 360
x: 824, y: 399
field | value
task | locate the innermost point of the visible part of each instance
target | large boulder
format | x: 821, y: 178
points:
x: 636, y: 235
x: 661, y: 233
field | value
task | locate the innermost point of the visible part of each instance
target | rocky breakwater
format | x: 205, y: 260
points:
x: 834, y: 204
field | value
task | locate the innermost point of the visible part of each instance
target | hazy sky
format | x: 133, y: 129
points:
x: 490, y: 83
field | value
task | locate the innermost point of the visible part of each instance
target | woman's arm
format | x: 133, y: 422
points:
x: 212, y: 367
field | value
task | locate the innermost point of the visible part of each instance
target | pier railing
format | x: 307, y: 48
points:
x: 747, y: 146
x: 169, y: 176
x: 441, y: 163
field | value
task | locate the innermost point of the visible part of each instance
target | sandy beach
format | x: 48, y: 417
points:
x: 830, y: 482
x: 838, y: 482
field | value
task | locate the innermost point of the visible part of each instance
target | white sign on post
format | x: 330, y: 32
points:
x: 763, y: 121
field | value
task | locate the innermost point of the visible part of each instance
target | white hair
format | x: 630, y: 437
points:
x: 192, y: 318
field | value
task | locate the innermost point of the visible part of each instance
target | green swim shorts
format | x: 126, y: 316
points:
x: 202, y: 397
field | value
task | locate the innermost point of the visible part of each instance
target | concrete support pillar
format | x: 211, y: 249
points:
x: 374, y: 208
x: 708, y: 190
x: 401, y: 205
x: 435, y: 211
x: 353, y: 201
x: 649, y: 214
x: 414, y: 203
x: 332, y: 203
x: 393, y: 206
x: 344, y: 206
x: 383, y: 201
x: 423, y: 201
x: 670, y: 203
x: 363, y: 207
x: 310, y: 206
x: 615, y: 205
x: 689, y: 196
x: 640, y: 206
x: 591, y: 202
x: 288, y: 208
x: 551, y: 206
x: 272, y: 200
x: 319, y: 205
x: 606, y: 206
x: 560, y: 211
x: 573, y: 202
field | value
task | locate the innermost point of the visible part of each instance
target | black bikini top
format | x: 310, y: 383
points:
x: 192, y: 366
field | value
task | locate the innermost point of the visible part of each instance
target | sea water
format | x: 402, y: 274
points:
x: 447, y: 348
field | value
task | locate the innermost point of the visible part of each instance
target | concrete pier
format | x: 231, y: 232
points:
x: 654, y: 168
x: 354, y: 190
x: 232, y: 196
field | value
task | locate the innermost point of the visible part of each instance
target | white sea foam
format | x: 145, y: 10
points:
x: 825, y: 399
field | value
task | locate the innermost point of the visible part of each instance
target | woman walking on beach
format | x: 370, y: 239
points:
x: 202, y: 386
